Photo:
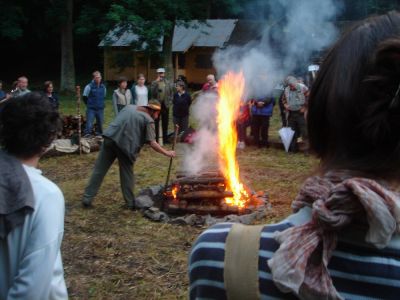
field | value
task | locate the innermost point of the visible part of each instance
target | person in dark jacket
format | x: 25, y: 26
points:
x: 261, y: 112
x: 94, y: 95
x: 181, y: 104
x: 49, y: 92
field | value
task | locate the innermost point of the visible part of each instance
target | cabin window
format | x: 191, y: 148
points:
x: 203, y: 61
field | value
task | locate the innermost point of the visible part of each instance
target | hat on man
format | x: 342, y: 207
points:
x: 154, y: 105
x: 160, y: 70
x: 291, y: 80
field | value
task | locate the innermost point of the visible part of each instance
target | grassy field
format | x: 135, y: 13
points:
x: 112, y: 253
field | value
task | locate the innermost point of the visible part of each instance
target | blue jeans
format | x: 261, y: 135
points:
x: 91, y: 114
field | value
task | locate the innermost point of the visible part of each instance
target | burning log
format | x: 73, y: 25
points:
x: 205, y: 194
x: 200, y: 180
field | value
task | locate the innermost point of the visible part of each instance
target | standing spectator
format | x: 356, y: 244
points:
x: 294, y: 101
x: 49, y: 92
x: 122, y: 96
x: 123, y: 139
x: 261, y: 111
x: 94, y: 95
x: 211, y: 85
x: 21, y: 88
x: 31, y: 206
x: 2, y: 93
x: 342, y: 240
x: 181, y: 104
x: 162, y: 90
x: 140, y: 92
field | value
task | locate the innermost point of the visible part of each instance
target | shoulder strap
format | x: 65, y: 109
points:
x: 241, y: 262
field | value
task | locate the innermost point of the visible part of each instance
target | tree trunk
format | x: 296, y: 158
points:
x: 167, y: 53
x: 67, y: 52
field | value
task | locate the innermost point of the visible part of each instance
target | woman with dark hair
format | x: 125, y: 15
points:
x: 31, y: 206
x: 49, y: 92
x: 343, y: 239
x: 122, y: 96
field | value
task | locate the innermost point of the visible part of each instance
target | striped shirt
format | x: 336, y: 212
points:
x: 358, y: 270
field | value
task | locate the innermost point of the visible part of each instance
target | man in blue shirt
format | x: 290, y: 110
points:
x: 94, y: 95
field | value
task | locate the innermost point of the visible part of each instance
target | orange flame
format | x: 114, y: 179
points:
x: 174, y: 191
x: 230, y: 89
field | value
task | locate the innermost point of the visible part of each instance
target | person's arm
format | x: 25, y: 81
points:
x: 156, y: 147
x: 85, y: 94
x: 134, y: 95
x: 306, y: 93
x: 174, y: 99
x: 148, y: 93
x: 284, y: 101
x: 56, y: 100
x: 114, y: 103
x: 151, y: 139
x: 40, y: 271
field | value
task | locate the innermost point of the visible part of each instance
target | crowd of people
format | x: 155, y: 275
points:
x: 254, y: 112
x: 342, y: 240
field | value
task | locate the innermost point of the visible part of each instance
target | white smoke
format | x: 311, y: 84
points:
x: 294, y: 30
x: 199, y: 155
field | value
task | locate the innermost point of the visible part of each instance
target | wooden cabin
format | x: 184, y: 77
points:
x: 192, y: 46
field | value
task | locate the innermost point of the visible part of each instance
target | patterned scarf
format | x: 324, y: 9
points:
x: 337, y: 201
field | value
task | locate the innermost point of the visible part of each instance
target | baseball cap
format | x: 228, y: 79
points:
x: 160, y: 70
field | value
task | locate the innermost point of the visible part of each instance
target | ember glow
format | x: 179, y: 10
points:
x: 174, y: 191
x: 230, y: 89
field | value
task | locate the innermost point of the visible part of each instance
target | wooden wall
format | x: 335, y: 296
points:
x: 138, y: 63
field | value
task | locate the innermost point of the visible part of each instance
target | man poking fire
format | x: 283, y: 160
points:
x: 123, y: 139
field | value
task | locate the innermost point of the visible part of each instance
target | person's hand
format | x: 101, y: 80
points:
x: 302, y: 110
x: 170, y: 153
x: 260, y: 104
x: 286, y: 106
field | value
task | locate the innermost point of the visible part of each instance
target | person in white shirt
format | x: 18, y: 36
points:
x: 31, y: 206
x: 140, y: 92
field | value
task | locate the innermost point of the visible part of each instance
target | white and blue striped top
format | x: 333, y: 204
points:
x: 358, y: 270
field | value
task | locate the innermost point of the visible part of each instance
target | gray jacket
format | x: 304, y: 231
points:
x: 169, y: 92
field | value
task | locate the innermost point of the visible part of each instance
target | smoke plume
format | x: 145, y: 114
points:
x: 292, y: 32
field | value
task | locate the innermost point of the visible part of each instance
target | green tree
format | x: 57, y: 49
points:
x: 152, y: 19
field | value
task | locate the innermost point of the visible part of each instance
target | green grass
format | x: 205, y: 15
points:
x: 112, y: 253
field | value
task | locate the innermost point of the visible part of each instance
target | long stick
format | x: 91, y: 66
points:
x: 78, y: 112
x: 173, y: 147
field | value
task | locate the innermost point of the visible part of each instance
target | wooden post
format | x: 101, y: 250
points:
x: 176, y: 65
x: 78, y: 112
